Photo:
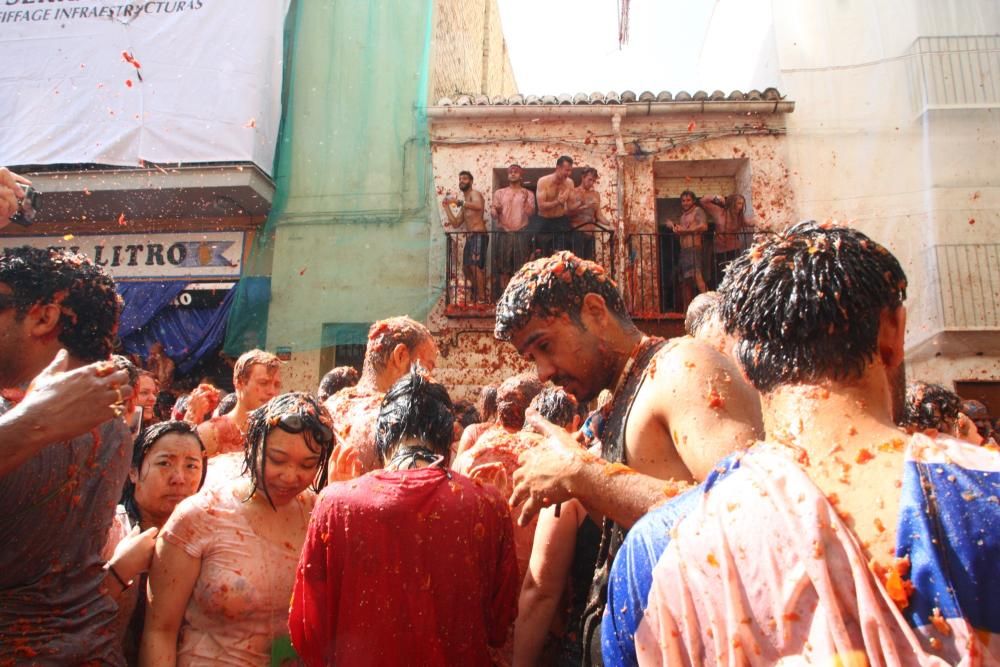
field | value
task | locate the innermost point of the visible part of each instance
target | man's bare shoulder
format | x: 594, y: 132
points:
x: 546, y: 180
x: 685, y: 359
x: 476, y: 195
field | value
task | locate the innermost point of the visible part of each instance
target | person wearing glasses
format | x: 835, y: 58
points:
x: 225, y: 560
x: 410, y: 565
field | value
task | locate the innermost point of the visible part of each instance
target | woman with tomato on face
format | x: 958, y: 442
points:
x: 225, y: 561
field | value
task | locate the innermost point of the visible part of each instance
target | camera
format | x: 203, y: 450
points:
x: 27, y: 207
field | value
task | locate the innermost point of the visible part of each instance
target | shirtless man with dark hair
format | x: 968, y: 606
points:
x: 586, y: 216
x: 677, y: 407
x: 690, y: 230
x: 477, y: 240
x: 554, y: 192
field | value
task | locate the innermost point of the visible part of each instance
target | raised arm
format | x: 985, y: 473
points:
x: 171, y: 581
x: 716, y: 207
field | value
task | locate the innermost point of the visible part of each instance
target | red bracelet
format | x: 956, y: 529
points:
x: 111, y: 568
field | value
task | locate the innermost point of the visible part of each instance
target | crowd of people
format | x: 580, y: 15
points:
x: 762, y: 489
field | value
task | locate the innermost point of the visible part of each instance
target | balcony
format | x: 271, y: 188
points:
x: 663, y: 269
x: 479, y: 265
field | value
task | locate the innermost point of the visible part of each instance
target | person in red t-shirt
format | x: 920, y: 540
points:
x: 413, y: 564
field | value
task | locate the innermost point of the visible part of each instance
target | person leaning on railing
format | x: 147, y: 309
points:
x: 729, y: 214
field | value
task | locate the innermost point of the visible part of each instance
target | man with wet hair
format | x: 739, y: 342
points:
x: 257, y: 379
x: 554, y: 193
x: 440, y: 592
x: 477, y: 240
x: 837, y: 505
x: 395, y: 345
x: 336, y: 379
x: 512, y: 208
x: 587, y: 216
x: 675, y: 409
x: 58, y: 317
x: 487, y: 405
x: 133, y: 416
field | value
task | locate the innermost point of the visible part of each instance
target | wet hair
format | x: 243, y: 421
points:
x: 385, y: 335
x: 556, y: 405
x: 467, y: 173
x: 701, y: 310
x: 123, y: 363
x: 246, y: 362
x: 689, y: 193
x: 564, y: 159
x: 417, y: 408
x: 226, y: 404
x: 466, y: 413
x: 930, y: 406
x: 180, y: 407
x: 89, y: 304
x: 806, y: 304
x: 336, y: 379
x: 143, y: 444
x: 589, y: 170
x: 164, y: 405
x: 554, y: 285
x: 514, y: 396
x: 487, y: 403
x: 316, y: 422
x: 741, y: 217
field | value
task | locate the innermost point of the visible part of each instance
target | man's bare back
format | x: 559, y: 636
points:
x: 355, y: 412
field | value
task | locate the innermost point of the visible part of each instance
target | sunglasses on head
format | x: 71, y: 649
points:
x: 295, y: 423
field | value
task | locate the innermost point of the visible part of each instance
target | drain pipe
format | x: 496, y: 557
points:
x: 616, y: 128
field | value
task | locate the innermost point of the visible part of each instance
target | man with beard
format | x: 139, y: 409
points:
x: 477, y: 239
x: 58, y: 488
x: 554, y: 193
x: 675, y: 409
x: 512, y: 209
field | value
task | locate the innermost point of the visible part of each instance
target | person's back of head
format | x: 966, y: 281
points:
x: 930, y: 406
x: 487, y: 403
x: 418, y: 413
x: 701, y: 311
x: 226, y: 404
x: 556, y: 405
x: 85, y: 295
x: 125, y: 364
x: 466, y: 413
x: 807, y: 303
x: 513, y: 397
x: 394, y: 345
x: 336, y: 379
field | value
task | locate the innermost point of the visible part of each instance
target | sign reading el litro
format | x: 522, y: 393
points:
x: 152, y: 256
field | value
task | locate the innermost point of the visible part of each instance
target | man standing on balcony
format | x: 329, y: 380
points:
x: 477, y: 239
x: 689, y: 230
x: 512, y: 209
x: 554, y: 192
x: 730, y: 230
x: 587, y: 216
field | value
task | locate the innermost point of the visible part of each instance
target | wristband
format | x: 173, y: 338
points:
x: 111, y: 568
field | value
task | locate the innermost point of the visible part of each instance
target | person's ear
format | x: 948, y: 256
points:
x: 133, y: 475
x: 891, y: 336
x: 43, y: 319
x: 400, y: 357
x: 594, y: 312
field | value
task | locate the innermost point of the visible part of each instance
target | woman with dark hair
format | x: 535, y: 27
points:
x: 168, y: 465
x: 410, y: 565
x: 225, y: 561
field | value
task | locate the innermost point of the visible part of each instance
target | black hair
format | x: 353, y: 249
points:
x: 416, y: 408
x: 691, y: 194
x: 553, y: 285
x: 123, y: 363
x: 316, y: 422
x: 701, y: 309
x: 143, y: 444
x: 164, y: 405
x: 336, y: 379
x: 514, y: 396
x: 467, y: 173
x: 589, y: 170
x: 806, y: 304
x: 930, y: 406
x: 556, y: 405
x: 564, y: 159
x: 86, y: 296
x: 226, y: 404
x: 466, y: 413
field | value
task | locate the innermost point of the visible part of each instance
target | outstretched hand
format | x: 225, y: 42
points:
x: 547, y: 471
x: 345, y: 463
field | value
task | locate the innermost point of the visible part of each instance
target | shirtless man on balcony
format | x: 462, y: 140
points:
x: 477, y: 240
x: 693, y: 224
x: 554, y: 206
x: 587, y: 216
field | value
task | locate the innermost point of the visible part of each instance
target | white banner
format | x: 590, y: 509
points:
x: 120, y: 82
x: 178, y: 256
